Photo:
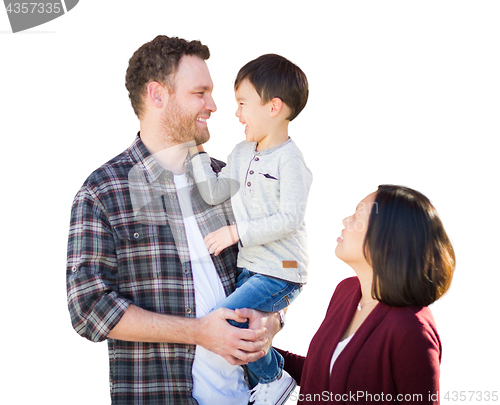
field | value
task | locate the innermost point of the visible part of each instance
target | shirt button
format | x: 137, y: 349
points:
x: 136, y: 235
x: 173, y: 196
x: 188, y: 311
x: 256, y: 159
x: 249, y: 184
x: 73, y: 269
x: 186, y: 271
x: 251, y: 172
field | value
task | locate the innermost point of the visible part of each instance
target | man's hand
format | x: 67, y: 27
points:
x: 222, y: 238
x: 271, y: 321
x: 213, y: 332
x: 237, y: 346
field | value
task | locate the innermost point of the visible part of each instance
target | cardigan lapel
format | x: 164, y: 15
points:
x: 340, y: 312
x: 340, y: 371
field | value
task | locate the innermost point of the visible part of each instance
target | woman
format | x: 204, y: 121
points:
x: 378, y: 341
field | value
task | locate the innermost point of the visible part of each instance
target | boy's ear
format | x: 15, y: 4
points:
x: 157, y: 94
x: 276, y: 105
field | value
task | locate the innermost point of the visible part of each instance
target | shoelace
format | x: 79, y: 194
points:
x: 259, y: 389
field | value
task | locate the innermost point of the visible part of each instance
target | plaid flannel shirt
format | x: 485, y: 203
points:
x: 119, y: 253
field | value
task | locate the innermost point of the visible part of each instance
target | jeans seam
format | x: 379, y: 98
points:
x: 256, y: 364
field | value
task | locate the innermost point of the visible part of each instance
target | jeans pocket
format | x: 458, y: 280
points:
x: 242, y: 275
x: 287, y: 298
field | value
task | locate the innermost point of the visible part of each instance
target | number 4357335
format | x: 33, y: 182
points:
x: 32, y: 8
x: 471, y: 396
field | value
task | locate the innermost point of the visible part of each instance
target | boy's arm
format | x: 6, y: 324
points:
x: 295, y: 182
x: 214, y: 188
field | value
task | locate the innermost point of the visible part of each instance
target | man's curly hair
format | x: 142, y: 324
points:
x: 158, y: 61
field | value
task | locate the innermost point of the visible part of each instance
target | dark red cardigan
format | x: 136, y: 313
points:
x: 393, y: 357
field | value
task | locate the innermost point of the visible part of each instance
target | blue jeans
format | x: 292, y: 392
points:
x: 266, y: 294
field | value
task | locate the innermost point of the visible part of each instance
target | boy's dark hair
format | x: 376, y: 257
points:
x: 158, y: 61
x: 274, y: 76
x: 411, y: 255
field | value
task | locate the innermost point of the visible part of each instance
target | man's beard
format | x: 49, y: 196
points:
x: 181, y: 127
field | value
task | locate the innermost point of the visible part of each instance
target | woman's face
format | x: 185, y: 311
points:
x: 350, y: 243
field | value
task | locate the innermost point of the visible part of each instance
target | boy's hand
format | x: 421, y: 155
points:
x: 193, y: 149
x: 222, y: 238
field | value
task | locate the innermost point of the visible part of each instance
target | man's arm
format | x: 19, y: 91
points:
x: 213, y: 332
x: 98, y: 312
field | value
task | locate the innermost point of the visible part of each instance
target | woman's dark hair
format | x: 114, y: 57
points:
x: 275, y: 76
x: 158, y: 61
x: 411, y: 255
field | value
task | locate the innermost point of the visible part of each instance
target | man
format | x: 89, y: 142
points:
x: 135, y: 274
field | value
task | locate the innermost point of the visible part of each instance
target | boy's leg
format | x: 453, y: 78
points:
x: 267, y: 369
x: 268, y: 295
x: 238, y: 297
x: 259, y: 292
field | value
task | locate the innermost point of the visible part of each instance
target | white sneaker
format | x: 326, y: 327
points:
x: 273, y: 393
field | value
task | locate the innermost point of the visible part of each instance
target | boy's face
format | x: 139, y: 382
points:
x: 254, y: 115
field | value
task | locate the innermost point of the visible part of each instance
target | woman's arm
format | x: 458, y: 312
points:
x: 416, y: 365
x: 293, y: 364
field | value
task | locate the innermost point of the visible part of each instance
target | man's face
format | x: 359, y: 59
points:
x: 190, y: 105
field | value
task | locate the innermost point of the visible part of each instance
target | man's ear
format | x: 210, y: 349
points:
x: 276, y: 105
x: 157, y: 94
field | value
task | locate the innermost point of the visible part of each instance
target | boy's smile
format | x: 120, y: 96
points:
x: 254, y: 115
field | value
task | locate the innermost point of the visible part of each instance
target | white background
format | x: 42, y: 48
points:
x: 400, y: 92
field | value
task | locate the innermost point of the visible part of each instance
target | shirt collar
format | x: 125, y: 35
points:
x: 148, y: 164
x: 268, y: 151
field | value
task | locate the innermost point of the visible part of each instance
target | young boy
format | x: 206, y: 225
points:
x: 269, y: 184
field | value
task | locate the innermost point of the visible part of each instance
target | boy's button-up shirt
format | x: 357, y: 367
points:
x: 269, y: 191
x: 127, y: 245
